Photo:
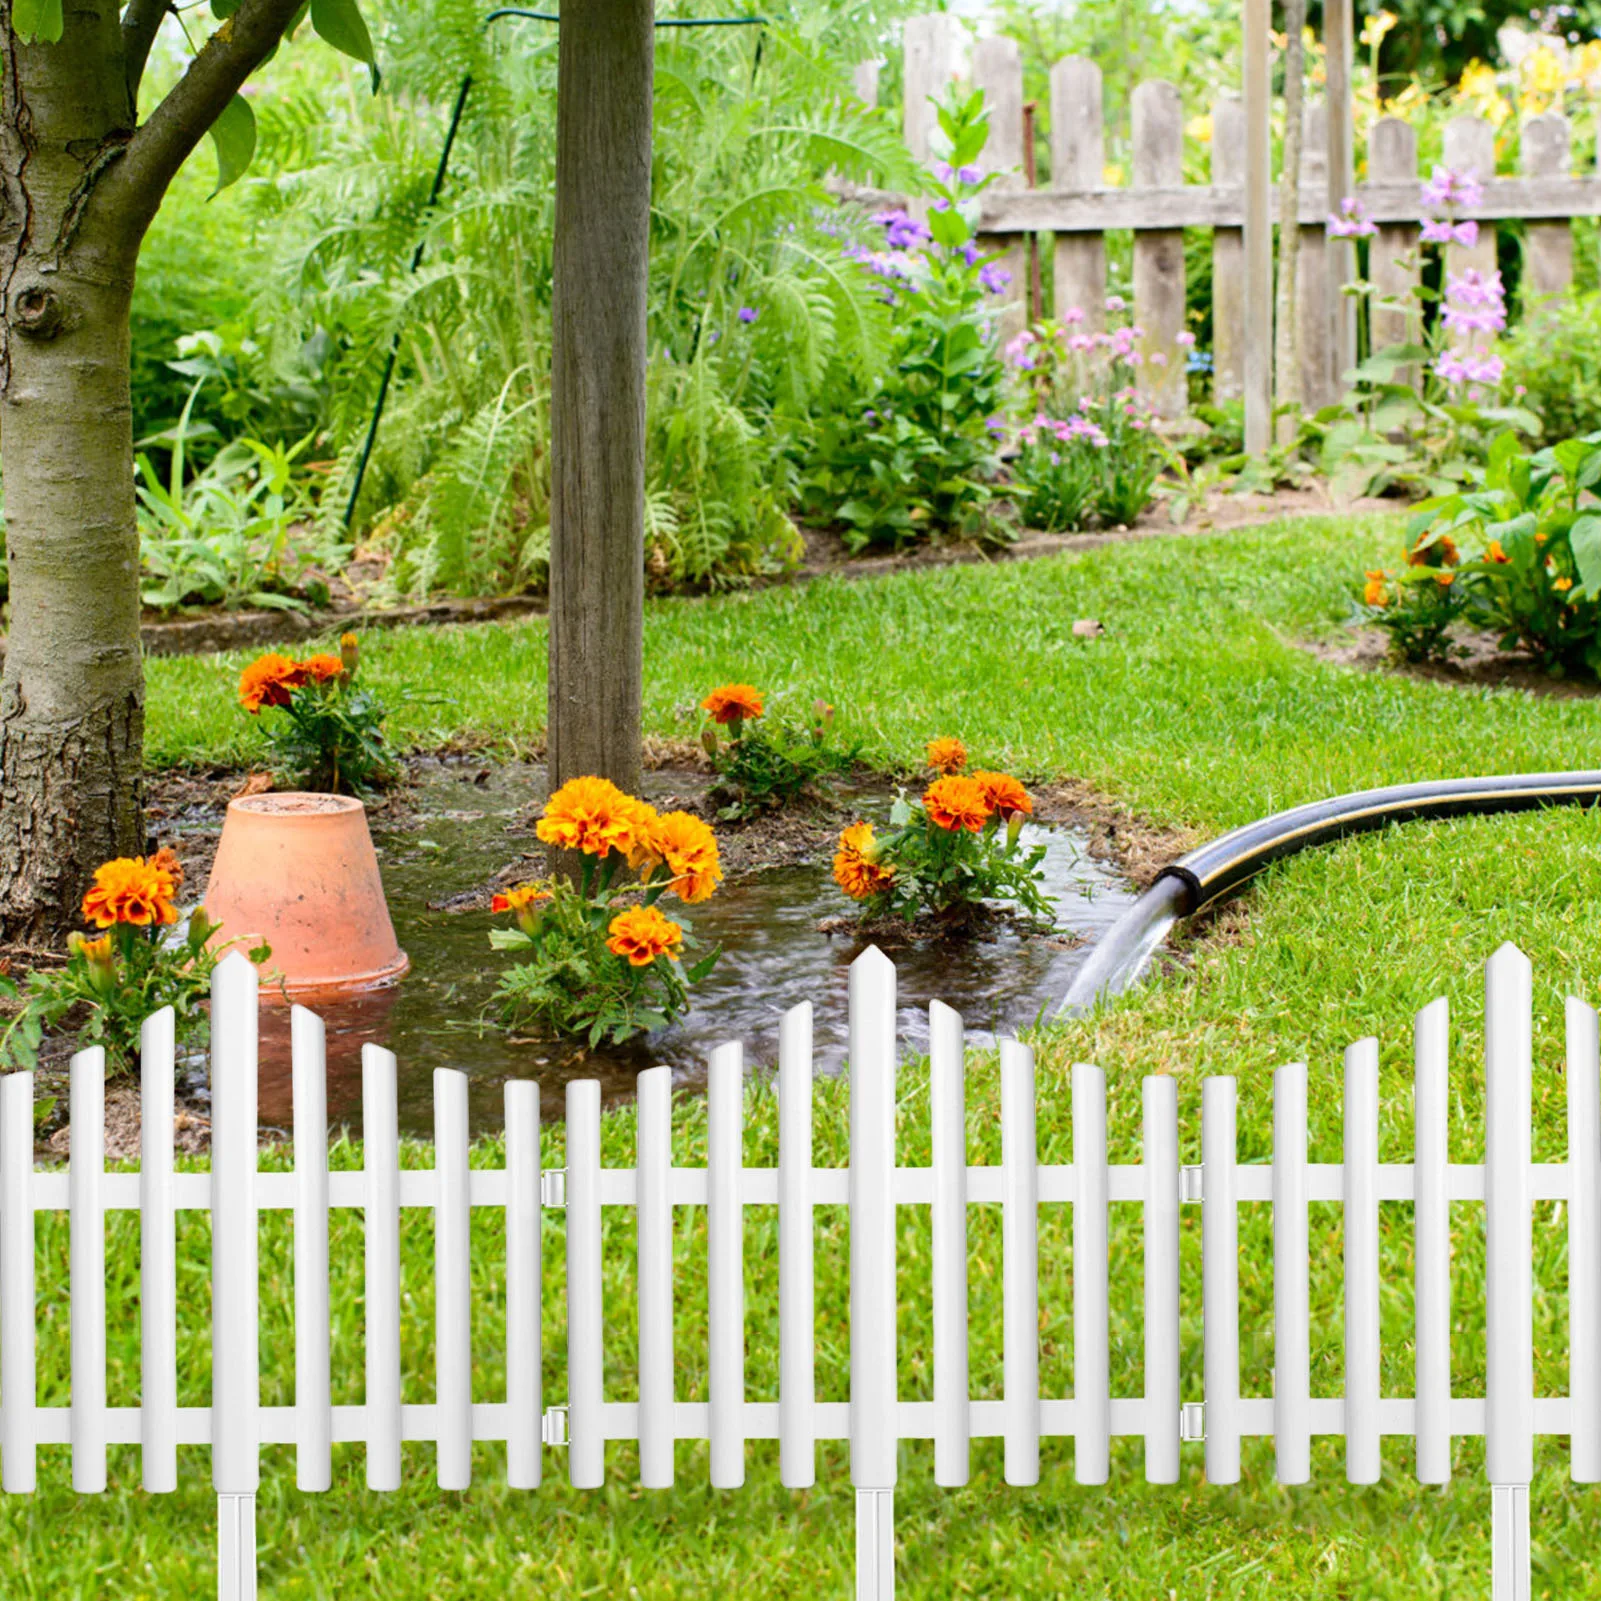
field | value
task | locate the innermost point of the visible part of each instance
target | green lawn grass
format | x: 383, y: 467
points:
x: 1197, y: 708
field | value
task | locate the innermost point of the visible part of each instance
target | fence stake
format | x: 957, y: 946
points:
x: 875, y: 1545
x: 453, y: 1352
x: 1509, y: 1542
x: 586, y: 1445
x: 313, y: 1388
x: 381, y: 1224
x: 1092, y: 1391
x: 725, y: 1267
x: 1361, y: 1180
x: 948, y: 1128
x: 998, y: 71
x: 1220, y: 1279
x: 86, y: 1220
x: 1159, y: 1096
x: 1432, y: 1245
x: 1584, y: 1238
x: 1020, y: 1265
x: 797, y: 1305
x: 1292, y: 1407
x: 236, y: 1546
x: 524, y: 1281
x: 158, y: 1265
x: 652, y: 1165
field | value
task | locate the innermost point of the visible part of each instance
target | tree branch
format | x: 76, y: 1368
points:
x: 133, y: 188
x: 140, y: 24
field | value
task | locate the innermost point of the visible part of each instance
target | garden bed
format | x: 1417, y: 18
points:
x: 1478, y: 661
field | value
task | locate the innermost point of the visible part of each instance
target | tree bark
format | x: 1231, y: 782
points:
x: 72, y: 694
x: 598, y: 294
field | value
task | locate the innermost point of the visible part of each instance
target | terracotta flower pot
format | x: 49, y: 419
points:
x: 299, y: 871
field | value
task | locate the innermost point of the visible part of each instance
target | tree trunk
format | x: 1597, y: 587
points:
x: 598, y: 293
x: 1287, y: 353
x: 72, y: 693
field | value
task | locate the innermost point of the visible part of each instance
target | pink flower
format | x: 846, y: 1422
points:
x: 1116, y: 303
x: 1457, y: 189
x: 1351, y: 221
x: 1080, y: 342
x: 1185, y: 337
x: 1158, y: 359
x: 1073, y: 314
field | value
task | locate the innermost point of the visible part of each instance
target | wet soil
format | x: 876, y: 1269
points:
x: 461, y: 827
x: 1477, y: 660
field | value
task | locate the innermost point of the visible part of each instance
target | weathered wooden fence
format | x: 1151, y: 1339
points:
x: 1510, y: 1415
x: 1079, y: 207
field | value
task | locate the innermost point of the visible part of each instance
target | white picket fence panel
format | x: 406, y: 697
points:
x: 873, y: 1186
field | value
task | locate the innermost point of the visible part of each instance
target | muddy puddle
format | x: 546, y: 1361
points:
x: 460, y: 828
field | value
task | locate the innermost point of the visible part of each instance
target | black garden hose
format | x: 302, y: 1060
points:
x: 1227, y: 863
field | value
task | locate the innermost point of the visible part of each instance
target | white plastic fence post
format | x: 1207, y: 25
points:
x: 1431, y: 1036
x: 725, y: 1250
x: 158, y: 1265
x: 1292, y: 1337
x: 235, y: 1292
x: 313, y: 1390
x: 948, y: 1135
x: 1159, y: 1096
x: 1092, y: 1391
x: 1361, y: 1179
x: 1220, y: 1279
x: 1509, y: 1288
x: 381, y: 1146
x: 586, y: 1443
x: 653, y: 1160
x: 18, y: 1373
x: 1584, y: 1240
x: 524, y: 1286
x: 453, y: 1356
x: 1020, y: 1267
x: 874, y: 1389
x: 87, y: 1288
x: 797, y: 1313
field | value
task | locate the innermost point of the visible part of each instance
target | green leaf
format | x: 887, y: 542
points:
x: 1584, y: 538
x: 508, y: 939
x: 234, y: 135
x: 340, y: 23
x: 36, y: 20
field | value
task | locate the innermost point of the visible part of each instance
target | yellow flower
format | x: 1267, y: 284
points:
x: 1374, y: 593
x: 641, y: 933
x: 1376, y: 26
x: 857, y: 868
x: 1199, y: 129
x: 131, y: 890
x: 519, y: 896
x: 1562, y: 584
x: 590, y: 815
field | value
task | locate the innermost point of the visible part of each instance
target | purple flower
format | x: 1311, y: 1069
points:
x: 969, y: 253
x: 1073, y: 314
x: 1442, y: 231
x: 747, y: 314
x: 1017, y: 353
x: 902, y: 231
x: 994, y: 277
x: 1469, y: 367
x: 1351, y: 221
x: 946, y: 173
x: 995, y: 424
x: 1458, y: 189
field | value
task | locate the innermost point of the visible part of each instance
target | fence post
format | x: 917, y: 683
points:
x: 1392, y: 252
x: 873, y: 1400
x: 931, y: 46
x: 1470, y: 147
x: 1258, y: 231
x: 1508, y: 1282
x: 1078, y: 161
x: 1317, y: 371
x: 235, y: 1315
x: 864, y: 81
x: 998, y: 71
x: 1360, y: 1178
x: 453, y: 1353
x: 1547, y: 246
x: 1228, y: 255
x: 1092, y: 1391
x: 1159, y: 252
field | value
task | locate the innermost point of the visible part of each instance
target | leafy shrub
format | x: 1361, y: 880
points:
x: 1553, y: 367
x: 125, y: 973
x: 331, y: 736
x: 914, y: 453
x: 602, y: 958
x: 763, y: 768
x: 1524, y: 551
x: 947, y: 853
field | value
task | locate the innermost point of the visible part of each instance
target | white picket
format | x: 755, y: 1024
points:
x: 1508, y: 1218
x: 947, y: 1096
x: 1020, y: 1265
x: 524, y: 1277
x: 654, y: 1265
x: 1431, y: 1211
x: 1160, y: 1150
x: 1220, y: 1279
x: 158, y: 1261
x: 380, y: 1119
x: 586, y: 1444
x: 1584, y: 1238
x: 18, y: 1372
x: 1292, y: 1326
x: 797, y: 1304
x: 725, y: 1268
x: 87, y: 1271
x: 1092, y: 1392
x: 453, y: 1356
x: 314, y: 1415
x: 1360, y: 1175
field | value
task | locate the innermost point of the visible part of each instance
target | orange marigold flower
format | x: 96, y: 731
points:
x: 590, y: 815
x: 347, y: 641
x: 946, y: 755
x: 1003, y: 793
x: 323, y: 666
x: 641, y: 934
x: 1562, y: 583
x: 517, y: 897
x: 131, y: 890
x: 1494, y: 552
x: 1374, y: 592
x: 1444, y: 579
x: 269, y: 681
x: 732, y: 703
x: 857, y: 868
x: 955, y: 803
x: 97, y: 951
x: 688, y: 847
x: 166, y: 859
x: 1444, y: 548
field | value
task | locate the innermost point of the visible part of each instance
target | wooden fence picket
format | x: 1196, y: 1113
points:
x: 1319, y: 385
x: 1078, y: 161
x: 1159, y: 252
x: 1470, y: 148
x: 998, y: 72
x: 1547, y: 246
x: 1393, y: 250
x: 1227, y: 148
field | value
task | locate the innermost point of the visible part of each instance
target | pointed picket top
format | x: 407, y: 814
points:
x: 942, y: 1016
x: 872, y: 960
x: 1508, y: 957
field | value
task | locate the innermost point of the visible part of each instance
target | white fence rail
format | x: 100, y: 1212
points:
x: 874, y: 1420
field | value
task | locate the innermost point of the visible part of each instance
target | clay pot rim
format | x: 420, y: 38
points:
x: 312, y: 992
x: 304, y: 805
